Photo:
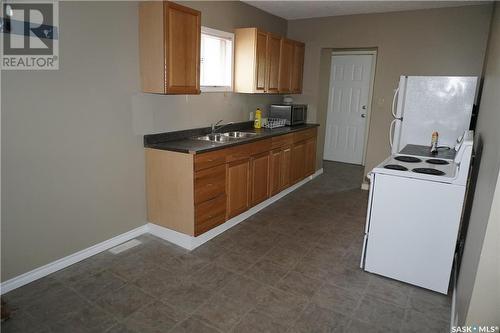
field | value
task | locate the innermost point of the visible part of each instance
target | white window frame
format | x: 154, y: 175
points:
x: 221, y: 34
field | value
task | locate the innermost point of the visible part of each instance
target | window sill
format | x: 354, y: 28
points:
x: 215, y: 89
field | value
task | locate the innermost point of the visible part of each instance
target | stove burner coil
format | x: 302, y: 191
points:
x: 408, y: 159
x: 396, y: 167
x: 429, y: 171
x: 437, y: 161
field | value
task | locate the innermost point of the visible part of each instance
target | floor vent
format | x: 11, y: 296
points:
x: 125, y: 246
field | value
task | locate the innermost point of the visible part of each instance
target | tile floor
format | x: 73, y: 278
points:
x: 293, y: 267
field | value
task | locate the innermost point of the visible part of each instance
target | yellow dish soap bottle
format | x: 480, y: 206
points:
x: 257, y: 123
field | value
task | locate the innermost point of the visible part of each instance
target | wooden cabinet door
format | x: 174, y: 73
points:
x: 286, y: 160
x: 310, y: 156
x: 261, y: 61
x: 259, y: 184
x: 298, y: 164
x: 237, y: 191
x: 297, y: 67
x: 275, y: 170
x: 272, y: 63
x: 182, y: 44
x: 286, y: 64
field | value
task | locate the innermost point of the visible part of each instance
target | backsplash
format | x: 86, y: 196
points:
x: 159, y: 113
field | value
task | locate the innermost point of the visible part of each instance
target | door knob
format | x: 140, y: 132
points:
x: 363, y: 115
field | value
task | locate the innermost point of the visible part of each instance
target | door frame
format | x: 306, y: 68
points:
x: 373, y: 54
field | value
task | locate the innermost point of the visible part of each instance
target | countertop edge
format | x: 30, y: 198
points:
x: 161, y: 146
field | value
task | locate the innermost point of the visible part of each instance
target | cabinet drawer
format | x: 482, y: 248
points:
x: 260, y: 146
x: 209, y: 183
x: 304, y: 135
x: 209, y: 214
x: 243, y: 152
x: 210, y: 209
x: 237, y: 153
x: 210, y: 159
x: 211, y: 223
x: 282, y: 140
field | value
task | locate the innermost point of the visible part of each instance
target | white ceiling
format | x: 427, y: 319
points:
x: 299, y: 9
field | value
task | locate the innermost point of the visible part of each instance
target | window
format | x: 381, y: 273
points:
x: 216, y: 70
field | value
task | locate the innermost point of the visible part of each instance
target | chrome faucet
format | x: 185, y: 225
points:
x: 215, y: 128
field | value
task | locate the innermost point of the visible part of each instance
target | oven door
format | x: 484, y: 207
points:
x: 299, y: 115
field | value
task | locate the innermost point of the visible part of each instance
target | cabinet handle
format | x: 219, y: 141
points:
x: 209, y: 160
x: 210, y: 184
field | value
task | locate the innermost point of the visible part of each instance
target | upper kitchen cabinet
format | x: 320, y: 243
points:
x: 264, y: 62
x: 169, y: 48
x: 286, y: 65
x: 273, y: 63
x: 297, y: 67
x: 244, y: 75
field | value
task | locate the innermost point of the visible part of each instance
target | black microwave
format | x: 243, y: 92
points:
x: 295, y: 114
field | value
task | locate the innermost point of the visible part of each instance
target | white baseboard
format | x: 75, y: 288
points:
x: 365, y: 186
x: 172, y: 236
x: 175, y: 237
x: 59, y: 264
x: 190, y: 242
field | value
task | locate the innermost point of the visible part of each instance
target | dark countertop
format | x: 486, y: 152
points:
x: 425, y: 151
x: 184, y: 142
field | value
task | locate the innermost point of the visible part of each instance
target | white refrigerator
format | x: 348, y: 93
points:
x: 424, y: 104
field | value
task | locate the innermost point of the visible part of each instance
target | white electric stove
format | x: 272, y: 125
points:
x: 414, y: 213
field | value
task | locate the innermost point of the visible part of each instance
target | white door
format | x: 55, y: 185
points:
x: 348, y: 104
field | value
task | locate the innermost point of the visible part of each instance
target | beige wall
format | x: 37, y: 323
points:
x: 447, y: 41
x: 479, y: 278
x: 72, y: 156
x: 485, y: 301
x: 72, y: 170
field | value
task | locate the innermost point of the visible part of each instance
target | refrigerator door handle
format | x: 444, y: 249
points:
x: 391, y: 131
x: 394, y: 99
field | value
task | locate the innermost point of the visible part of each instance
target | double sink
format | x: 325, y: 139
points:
x: 226, y: 137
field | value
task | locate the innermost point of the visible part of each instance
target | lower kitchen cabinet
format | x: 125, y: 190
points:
x: 259, y: 182
x: 298, y: 163
x: 303, y: 158
x: 275, y: 166
x: 279, y: 169
x: 193, y: 193
x: 285, y: 167
x: 310, y: 158
x: 237, y: 178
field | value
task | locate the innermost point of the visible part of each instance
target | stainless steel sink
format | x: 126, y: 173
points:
x: 226, y: 137
x: 239, y: 135
x: 215, y: 138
